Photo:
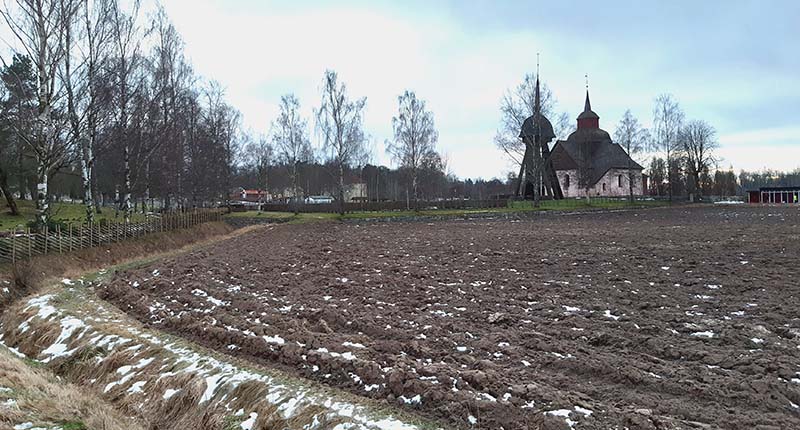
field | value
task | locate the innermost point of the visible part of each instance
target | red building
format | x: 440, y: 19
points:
x: 775, y: 195
x: 252, y: 196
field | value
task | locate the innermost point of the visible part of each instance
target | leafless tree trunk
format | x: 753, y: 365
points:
x: 12, y: 204
x: 519, y: 104
x: 633, y: 138
x: 415, y: 138
x: 39, y: 27
x: 79, y: 82
x: 339, y: 120
x: 290, y: 137
x: 667, y: 121
x: 698, y: 139
x: 126, y: 40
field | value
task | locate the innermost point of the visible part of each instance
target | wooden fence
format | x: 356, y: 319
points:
x: 383, y: 206
x: 21, y: 244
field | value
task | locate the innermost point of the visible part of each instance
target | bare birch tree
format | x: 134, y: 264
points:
x: 85, y: 37
x: 222, y: 126
x: 340, y: 121
x: 261, y: 154
x: 667, y: 122
x: 126, y: 41
x: 516, y: 106
x: 38, y: 26
x: 171, y: 81
x: 698, y: 139
x: 96, y: 22
x: 415, y: 137
x: 634, y: 139
x: 290, y: 139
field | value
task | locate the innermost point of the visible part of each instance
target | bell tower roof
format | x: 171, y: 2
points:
x: 587, y: 118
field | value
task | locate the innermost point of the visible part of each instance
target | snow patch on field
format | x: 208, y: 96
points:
x: 565, y: 413
x: 274, y: 339
x: 707, y: 334
x: 353, y: 345
x: 290, y: 398
x: 214, y: 301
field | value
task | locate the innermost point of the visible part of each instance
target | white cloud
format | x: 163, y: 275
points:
x: 260, y: 50
x: 773, y: 148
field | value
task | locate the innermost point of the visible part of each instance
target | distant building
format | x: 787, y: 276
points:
x: 318, y: 200
x: 781, y: 195
x: 355, y: 192
x: 250, y: 196
x: 590, y: 163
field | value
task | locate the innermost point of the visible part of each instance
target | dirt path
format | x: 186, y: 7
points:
x: 670, y: 318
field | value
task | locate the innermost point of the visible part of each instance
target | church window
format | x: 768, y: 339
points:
x: 566, y: 181
x: 619, y: 181
x: 604, y: 186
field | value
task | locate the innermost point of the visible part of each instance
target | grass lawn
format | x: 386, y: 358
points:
x: 66, y: 212
x: 519, y: 206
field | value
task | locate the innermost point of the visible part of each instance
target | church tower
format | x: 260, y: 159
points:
x: 588, y: 119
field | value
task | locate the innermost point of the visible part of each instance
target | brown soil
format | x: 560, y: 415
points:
x: 666, y: 318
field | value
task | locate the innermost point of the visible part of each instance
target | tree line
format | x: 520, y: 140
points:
x: 103, y: 91
x: 99, y: 101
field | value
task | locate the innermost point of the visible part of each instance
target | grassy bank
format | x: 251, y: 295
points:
x: 64, y: 212
x: 31, y: 395
x: 514, y: 207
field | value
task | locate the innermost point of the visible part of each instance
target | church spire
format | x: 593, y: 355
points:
x: 587, y: 106
x: 537, y: 104
x: 588, y: 119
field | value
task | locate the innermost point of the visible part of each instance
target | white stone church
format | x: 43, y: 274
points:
x: 590, y: 163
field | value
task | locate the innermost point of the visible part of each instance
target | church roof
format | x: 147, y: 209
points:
x: 592, y: 146
x: 537, y: 122
x: 545, y: 128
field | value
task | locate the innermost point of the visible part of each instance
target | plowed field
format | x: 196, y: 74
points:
x: 661, y: 318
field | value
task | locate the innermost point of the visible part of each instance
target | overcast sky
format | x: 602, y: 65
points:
x: 735, y: 64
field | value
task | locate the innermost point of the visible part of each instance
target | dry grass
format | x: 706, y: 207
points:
x: 42, y: 400
x: 26, y: 277
x: 92, y: 368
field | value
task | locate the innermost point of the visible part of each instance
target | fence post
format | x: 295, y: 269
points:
x: 46, y: 234
x: 58, y: 233
x: 13, y: 248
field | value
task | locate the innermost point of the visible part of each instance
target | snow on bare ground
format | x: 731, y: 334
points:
x: 167, y: 380
x: 31, y: 398
x: 638, y: 317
